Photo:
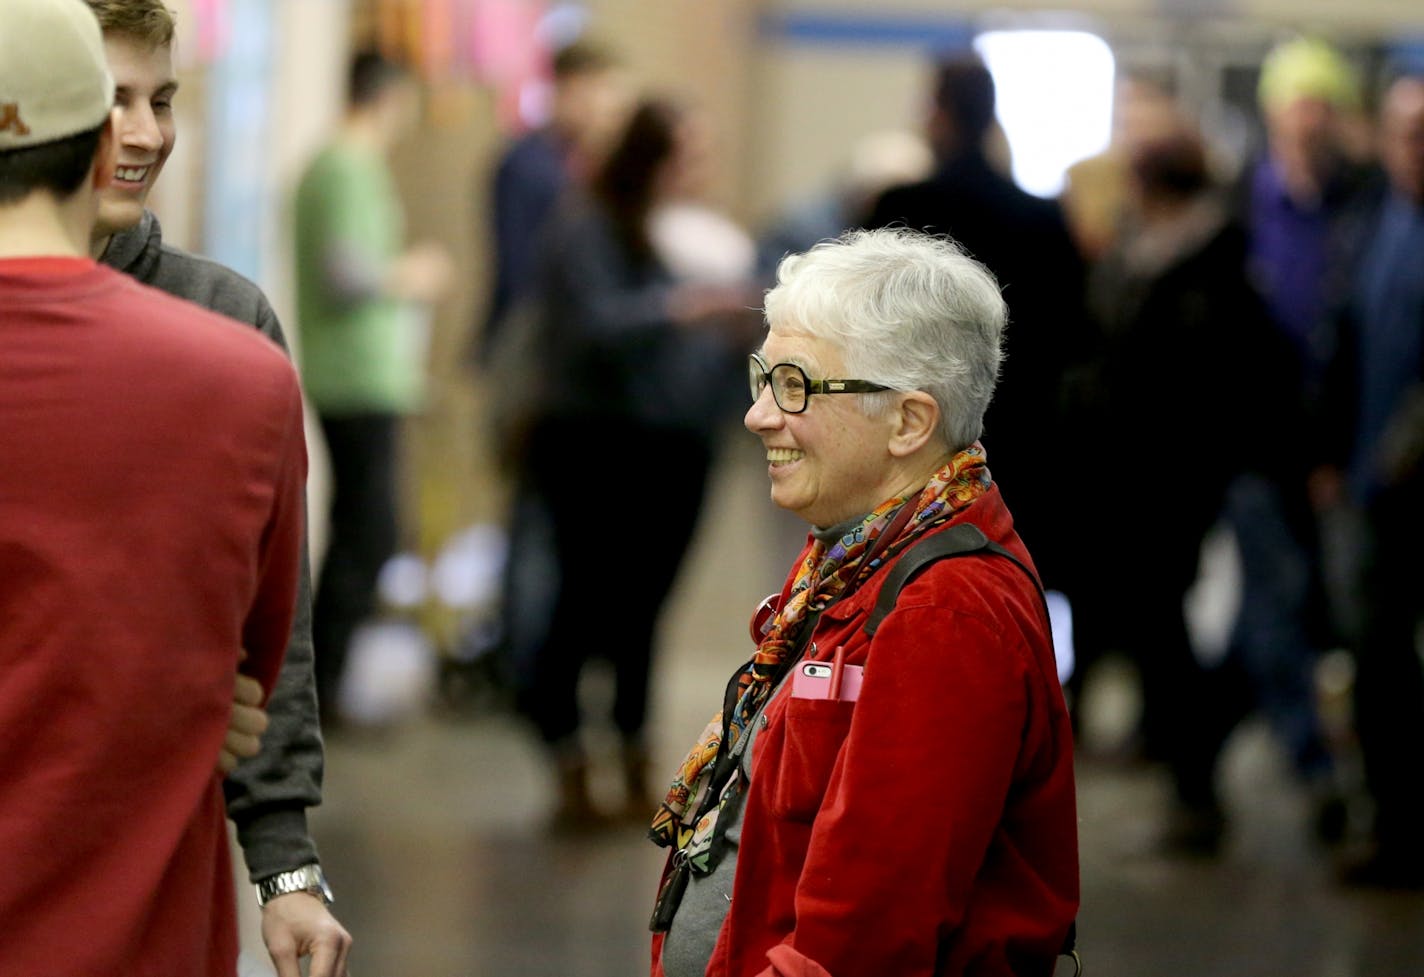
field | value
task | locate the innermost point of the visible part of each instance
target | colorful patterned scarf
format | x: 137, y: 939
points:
x: 824, y: 575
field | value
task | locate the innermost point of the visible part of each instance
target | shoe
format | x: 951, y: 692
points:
x: 1330, y: 818
x: 638, y: 802
x: 575, y: 813
x: 1383, y: 870
x: 1194, y: 831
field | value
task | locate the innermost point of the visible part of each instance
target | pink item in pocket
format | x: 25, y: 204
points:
x: 814, y: 680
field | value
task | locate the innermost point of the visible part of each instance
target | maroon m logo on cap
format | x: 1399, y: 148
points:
x: 10, y: 119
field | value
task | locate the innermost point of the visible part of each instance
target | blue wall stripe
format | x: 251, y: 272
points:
x: 868, y: 30
x: 1406, y: 54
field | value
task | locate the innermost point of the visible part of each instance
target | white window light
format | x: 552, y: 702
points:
x: 1055, y: 99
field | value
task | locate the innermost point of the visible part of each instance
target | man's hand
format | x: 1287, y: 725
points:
x: 422, y: 273
x: 245, y: 725
x: 299, y: 925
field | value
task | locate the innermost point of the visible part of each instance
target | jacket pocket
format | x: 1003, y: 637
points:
x: 815, y: 730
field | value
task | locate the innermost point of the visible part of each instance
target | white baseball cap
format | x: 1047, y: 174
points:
x: 54, y: 79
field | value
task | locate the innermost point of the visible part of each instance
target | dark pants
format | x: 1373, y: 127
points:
x: 1275, y: 636
x: 363, y: 535
x: 1189, y: 709
x: 624, y: 501
x: 1130, y: 598
x: 528, y: 585
x: 1389, y: 681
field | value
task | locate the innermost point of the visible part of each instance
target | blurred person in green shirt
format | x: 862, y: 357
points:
x: 363, y: 301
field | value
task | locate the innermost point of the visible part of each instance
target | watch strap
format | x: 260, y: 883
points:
x: 308, y: 878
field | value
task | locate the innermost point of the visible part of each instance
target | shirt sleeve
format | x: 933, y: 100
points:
x: 268, y: 625
x: 268, y: 795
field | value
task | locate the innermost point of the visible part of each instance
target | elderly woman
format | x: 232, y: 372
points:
x: 901, y: 803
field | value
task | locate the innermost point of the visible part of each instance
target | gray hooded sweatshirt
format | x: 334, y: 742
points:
x: 268, y: 795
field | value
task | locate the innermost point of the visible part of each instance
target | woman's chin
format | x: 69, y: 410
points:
x: 787, y: 500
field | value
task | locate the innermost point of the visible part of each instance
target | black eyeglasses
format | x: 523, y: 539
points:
x: 792, y: 389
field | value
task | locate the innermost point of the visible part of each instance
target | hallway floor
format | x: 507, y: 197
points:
x: 434, y: 832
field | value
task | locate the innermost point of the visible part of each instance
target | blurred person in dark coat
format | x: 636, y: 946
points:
x: 1025, y: 242
x: 534, y: 170
x: 588, y: 103
x: 638, y: 370
x: 1096, y: 189
x: 1377, y: 400
x: 1184, y: 383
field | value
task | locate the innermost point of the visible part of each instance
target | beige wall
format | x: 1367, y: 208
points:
x: 306, y: 99
x: 698, y: 50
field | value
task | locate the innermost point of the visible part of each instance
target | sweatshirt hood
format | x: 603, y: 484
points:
x: 135, y: 251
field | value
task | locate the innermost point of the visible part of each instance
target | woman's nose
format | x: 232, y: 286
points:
x: 763, y: 413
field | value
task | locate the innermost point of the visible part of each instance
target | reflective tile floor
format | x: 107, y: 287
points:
x: 434, y: 836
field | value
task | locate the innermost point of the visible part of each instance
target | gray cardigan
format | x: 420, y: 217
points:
x: 268, y: 795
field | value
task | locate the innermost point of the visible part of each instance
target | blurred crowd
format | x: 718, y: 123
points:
x: 1224, y: 344
x: 1202, y: 344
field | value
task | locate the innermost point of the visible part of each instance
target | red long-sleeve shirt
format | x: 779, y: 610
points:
x: 151, y: 474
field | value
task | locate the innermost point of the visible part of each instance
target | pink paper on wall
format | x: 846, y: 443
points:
x: 212, y: 30
x: 438, y: 47
x: 509, y: 51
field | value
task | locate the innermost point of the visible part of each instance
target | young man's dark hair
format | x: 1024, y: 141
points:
x: 58, y: 167
x: 371, y: 74
x: 149, y: 21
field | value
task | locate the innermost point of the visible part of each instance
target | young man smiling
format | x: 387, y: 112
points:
x: 268, y: 795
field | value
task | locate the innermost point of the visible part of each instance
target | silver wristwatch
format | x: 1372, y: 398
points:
x: 308, y: 878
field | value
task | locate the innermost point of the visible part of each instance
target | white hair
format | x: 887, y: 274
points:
x: 906, y: 309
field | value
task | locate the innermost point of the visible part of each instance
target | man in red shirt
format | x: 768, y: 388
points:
x: 150, y: 524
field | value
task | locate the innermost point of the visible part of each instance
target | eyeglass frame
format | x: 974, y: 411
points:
x: 827, y: 386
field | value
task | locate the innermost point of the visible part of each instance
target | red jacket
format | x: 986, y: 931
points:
x: 929, y: 828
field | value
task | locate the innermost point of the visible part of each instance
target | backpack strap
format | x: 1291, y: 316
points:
x: 955, y: 541
x: 960, y: 540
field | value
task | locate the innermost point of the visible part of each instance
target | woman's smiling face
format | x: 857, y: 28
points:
x: 830, y: 462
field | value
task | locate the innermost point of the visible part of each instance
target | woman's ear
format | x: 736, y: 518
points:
x: 916, y: 423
